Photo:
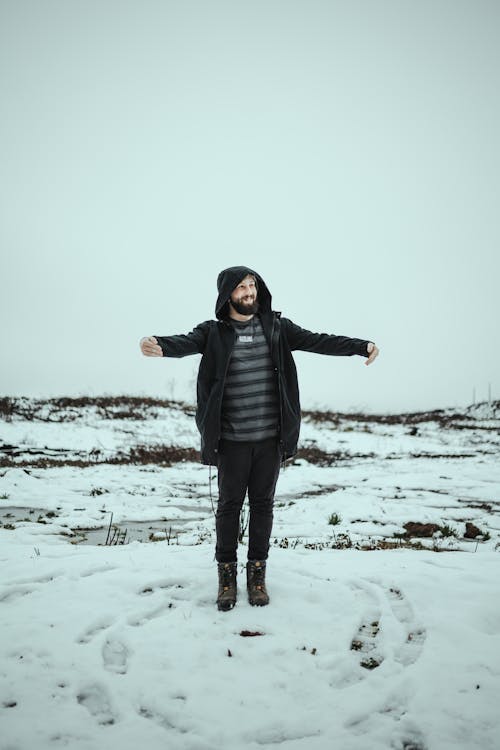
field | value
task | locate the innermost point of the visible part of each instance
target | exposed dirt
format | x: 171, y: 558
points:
x: 69, y: 409
x: 445, y: 418
x: 134, y: 408
x: 139, y: 454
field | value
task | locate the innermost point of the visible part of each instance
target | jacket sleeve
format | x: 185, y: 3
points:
x: 322, y: 343
x: 183, y: 344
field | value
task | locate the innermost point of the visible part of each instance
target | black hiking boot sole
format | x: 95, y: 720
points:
x: 257, y: 602
x: 225, y: 606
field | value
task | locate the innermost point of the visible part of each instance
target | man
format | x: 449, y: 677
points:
x: 248, y: 411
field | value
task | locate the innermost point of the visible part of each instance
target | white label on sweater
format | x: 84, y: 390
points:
x: 245, y: 339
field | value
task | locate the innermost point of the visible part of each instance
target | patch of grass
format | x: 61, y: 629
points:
x: 4, y: 497
x: 286, y: 543
x: 447, y: 530
x: 168, y: 536
x: 335, y: 519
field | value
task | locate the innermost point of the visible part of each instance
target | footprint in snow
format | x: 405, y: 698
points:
x: 394, y: 603
x: 415, y: 634
x: 391, y: 714
x: 47, y: 578
x: 115, y: 656
x: 90, y: 633
x: 144, y: 617
x: 25, y: 586
x: 97, y: 702
x: 366, y: 641
x: 151, y: 588
x: 96, y: 570
x: 366, y: 644
x: 16, y: 592
x: 160, y: 718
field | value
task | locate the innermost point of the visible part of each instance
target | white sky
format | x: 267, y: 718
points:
x: 348, y: 151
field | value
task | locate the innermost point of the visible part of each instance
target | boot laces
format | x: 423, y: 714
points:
x: 258, y: 577
x: 226, y: 577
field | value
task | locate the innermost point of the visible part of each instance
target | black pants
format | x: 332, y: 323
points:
x: 246, y: 465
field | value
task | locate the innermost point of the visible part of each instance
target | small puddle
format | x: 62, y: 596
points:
x: 118, y: 533
x: 132, y: 531
x: 11, y: 515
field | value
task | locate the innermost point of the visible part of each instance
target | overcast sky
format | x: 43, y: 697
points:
x: 347, y: 151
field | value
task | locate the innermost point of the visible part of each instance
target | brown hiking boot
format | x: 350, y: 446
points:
x: 226, y: 598
x: 257, y: 594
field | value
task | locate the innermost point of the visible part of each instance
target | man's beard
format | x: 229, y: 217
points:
x: 246, y: 308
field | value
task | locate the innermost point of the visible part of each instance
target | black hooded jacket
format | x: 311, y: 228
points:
x: 214, y: 340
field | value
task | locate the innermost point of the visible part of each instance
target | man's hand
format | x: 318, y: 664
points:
x: 150, y: 347
x: 372, y: 351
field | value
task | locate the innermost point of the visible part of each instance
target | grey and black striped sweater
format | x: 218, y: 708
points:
x: 250, y: 405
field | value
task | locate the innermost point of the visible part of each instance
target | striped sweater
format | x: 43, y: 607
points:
x: 250, y: 405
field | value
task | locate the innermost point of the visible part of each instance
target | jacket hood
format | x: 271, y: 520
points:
x: 228, y: 280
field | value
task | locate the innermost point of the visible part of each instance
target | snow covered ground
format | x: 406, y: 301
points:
x: 373, y: 639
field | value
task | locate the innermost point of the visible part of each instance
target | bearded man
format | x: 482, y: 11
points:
x: 248, y: 411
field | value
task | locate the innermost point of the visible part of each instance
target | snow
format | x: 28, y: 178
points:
x: 115, y: 646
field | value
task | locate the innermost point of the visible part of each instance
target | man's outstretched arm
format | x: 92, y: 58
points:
x: 176, y: 346
x: 325, y: 343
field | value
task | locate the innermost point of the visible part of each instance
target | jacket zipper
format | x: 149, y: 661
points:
x: 277, y: 370
x: 216, y: 450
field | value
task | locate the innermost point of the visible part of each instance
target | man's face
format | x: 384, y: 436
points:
x: 244, y: 296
